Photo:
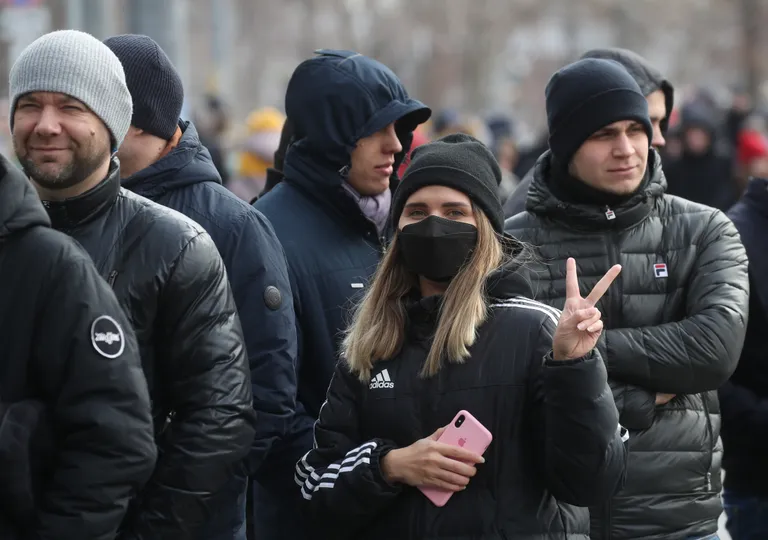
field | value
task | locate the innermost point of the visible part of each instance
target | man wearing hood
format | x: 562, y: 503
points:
x: 703, y: 173
x: 165, y: 162
x: 353, y: 123
x: 76, y: 437
x: 674, y: 320
x: 657, y: 90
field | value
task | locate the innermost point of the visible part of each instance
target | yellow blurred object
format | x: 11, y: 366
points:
x: 265, y: 119
x: 263, y: 127
x: 252, y: 166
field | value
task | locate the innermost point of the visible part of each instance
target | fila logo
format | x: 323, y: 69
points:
x: 381, y: 380
x: 660, y: 270
x: 609, y: 214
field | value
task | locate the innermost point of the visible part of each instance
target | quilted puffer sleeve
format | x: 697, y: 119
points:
x: 700, y: 352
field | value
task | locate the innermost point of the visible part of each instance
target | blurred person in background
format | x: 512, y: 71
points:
x: 420, y: 138
x: 331, y: 214
x: 213, y: 124
x: 70, y: 111
x: 704, y: 173
x: 275, y: 172
x: 658, y: 91
x: 735, y: 117
x: 674, y: 319
x: 263, y: 130
x: 445, y: 323
x: 165, y: 161
x: 751, y: 157
x: 744, y: 399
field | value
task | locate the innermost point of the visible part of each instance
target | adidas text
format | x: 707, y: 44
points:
x: 378, y: 384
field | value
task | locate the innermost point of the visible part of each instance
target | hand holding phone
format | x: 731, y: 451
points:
x: 442, y: 463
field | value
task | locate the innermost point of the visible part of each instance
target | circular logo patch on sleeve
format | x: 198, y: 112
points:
x: 273, y: 298
x: 107, y: 337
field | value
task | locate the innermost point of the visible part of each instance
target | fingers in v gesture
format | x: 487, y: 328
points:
x: 580, y: 323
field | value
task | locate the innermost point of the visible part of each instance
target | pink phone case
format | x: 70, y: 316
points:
x: 472, y: 435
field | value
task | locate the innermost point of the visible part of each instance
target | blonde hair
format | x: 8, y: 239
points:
x: 377, y: 331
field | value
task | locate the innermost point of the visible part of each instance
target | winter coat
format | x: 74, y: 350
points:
x: 76, y: 438
x: 168, y: 276
x: 675, y: 320
x: 744, y: 399
x: 331, y: 247
x: 557, y: 443
x: 186, y: 180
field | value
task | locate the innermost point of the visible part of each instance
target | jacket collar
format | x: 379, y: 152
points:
x: 75, y: 211
x: 542, y: 201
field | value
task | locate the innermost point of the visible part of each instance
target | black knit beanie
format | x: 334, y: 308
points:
x: 457, y: 161
x: 154, y: 83
x: 586, y: 96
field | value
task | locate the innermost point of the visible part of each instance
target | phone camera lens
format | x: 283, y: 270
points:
x: 459, y: 421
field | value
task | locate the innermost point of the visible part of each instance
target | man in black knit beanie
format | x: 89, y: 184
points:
x: 669, y: 340
x: 165, y: 161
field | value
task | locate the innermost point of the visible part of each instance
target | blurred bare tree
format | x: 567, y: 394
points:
x: 476, y: 55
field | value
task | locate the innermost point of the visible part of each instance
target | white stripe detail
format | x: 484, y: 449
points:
x: 546, y: 312
x: 385, y: 374
x: 353, y: 459
x: 624, y: 432
x: 523, y: 300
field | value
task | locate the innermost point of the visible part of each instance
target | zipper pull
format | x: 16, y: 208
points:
x: 609, y: 214
x: 112, y: 277
x: 709, y: 481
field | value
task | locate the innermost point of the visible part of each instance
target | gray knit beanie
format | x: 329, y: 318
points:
x: 79, y: 65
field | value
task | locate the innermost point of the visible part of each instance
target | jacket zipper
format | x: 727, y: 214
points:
x: 112, y: 278
x: 708, y: 476
x: 614, y: 313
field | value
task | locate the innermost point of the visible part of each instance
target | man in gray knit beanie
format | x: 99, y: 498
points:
x: 70, y: 111
x: 57, y: 145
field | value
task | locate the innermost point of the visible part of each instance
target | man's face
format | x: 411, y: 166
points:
x: 697, y: 140
x: 614, y: 158
x: 58, y: 140
x: 657, y: 110
x: 373, y: 162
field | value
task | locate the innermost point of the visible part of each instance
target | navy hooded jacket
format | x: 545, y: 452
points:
x: 744, y: 399
x: 187, y: 181
x: 334, y: 100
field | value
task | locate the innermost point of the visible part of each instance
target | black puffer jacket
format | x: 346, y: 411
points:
x: 675, y: 320
x: 75, y: 428
x: 170, y: 279
x: 547, y: 454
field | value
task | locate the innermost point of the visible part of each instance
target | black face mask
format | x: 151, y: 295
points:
x: 436, y: 247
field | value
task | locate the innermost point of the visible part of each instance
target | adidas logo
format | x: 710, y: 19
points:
x: 381, y: 380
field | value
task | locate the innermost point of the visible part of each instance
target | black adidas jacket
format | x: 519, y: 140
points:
x: 547, y: 454
x: 170, y: 279
x: 75, y: 427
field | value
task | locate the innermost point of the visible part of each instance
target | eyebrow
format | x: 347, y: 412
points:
x: 444, y: 205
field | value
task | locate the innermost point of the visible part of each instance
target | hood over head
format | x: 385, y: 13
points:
x: 648, y: 78
x: 339, y: 97
x: 20, y: 206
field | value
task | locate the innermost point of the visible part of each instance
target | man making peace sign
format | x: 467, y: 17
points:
x: 674, y: 321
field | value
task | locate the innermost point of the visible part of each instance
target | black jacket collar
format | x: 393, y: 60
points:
x: 543, y: 202
x: 73, y: 212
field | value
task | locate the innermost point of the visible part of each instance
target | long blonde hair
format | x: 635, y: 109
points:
x: 377, y: 331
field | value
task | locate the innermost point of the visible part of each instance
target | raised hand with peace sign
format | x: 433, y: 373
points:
x: 580, y: 325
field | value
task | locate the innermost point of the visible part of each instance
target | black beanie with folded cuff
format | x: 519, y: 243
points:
x: 586, y: 96
x: 460, y: 162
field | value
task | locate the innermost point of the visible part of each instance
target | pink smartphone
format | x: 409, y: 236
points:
x: 465, y: 431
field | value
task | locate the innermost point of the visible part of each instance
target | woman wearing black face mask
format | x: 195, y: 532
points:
x: 441, y: 330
